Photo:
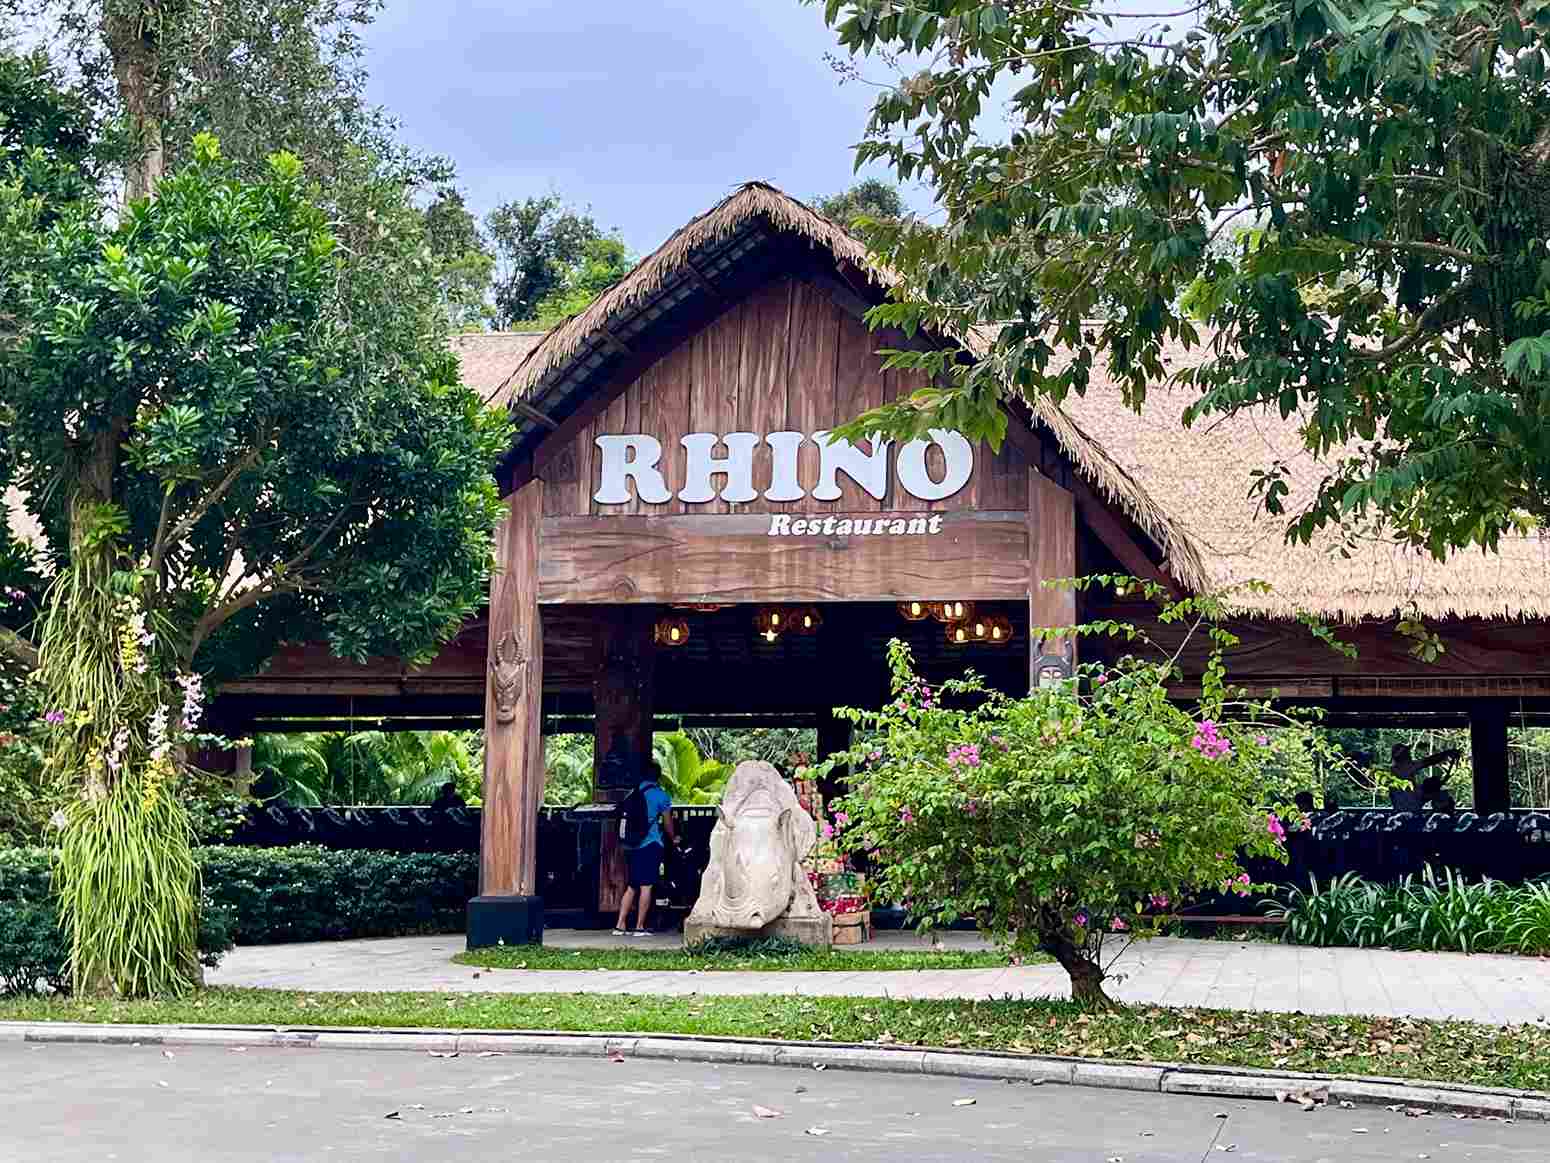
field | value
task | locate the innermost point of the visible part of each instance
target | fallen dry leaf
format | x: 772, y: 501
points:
x: 764, y: 1112
x: 965, y: 1101
x: 816, y: 1131
x: 443, y: 1053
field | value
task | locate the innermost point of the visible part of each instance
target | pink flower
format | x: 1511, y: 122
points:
x: 1243, y: 878
x: 997, y: 741
x: 1117, y: 925
x: 1208, y: 741
x: 1101, y: 679
x: 1159, y: 900
x: 1262, y: 740
x: 828, y: 830
x: 55, y: 717
x: 906, y: 816
x: 1081, y: 919
x: 972, y: 808
x: 1275, y: 828
x: 875, y: 756
x: 842, y: 819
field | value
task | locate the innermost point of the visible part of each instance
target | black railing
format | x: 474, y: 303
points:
x: 1379, y: 844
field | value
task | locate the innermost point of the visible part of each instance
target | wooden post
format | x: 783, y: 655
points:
x: 1051, y: 554
x: 508, y: 908
x: 1488, y: 756
x: 833, y: 735
x: 622, y: 703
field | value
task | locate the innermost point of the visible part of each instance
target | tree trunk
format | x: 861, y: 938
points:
x: 1085, y: 973
x: 132, y: 33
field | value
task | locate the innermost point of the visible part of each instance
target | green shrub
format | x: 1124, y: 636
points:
x: 307, y: 893
x: 254, y: 896
x: 1433, y: 911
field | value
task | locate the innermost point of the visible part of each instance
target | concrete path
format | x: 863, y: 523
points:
x: 91, y: 1104
x: 1251, y: 975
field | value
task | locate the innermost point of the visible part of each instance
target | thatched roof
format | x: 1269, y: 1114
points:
x: 490, y: 360
x: 1187, y: 489
x: 1200, y: 476
x: 749, y: 202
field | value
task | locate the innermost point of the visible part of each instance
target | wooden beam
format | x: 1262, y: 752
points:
x: 534, y: 414
x: 615, y: 342
x: 1488, y: 756
x: 1117, y: 539
x: 1051, y: 555
x: 701, y: 281
x: 733, y: 558
x: 513, y: 746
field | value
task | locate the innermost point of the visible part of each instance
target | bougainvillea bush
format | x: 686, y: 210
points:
x: 1064, y: 821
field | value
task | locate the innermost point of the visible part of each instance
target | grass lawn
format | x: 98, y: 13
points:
x: 624, y: 957
x: 1440, y: 1051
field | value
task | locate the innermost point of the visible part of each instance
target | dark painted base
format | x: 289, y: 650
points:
x: 509, y: 920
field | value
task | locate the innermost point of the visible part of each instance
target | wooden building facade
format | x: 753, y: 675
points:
x: 671, y: 485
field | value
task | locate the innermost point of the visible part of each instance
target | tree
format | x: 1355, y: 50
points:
x: 1405, y: 145
x: 1065, y: 820
x: 870, y: 198
x: 464, y: 262
x: 366, y: 767
x: 551, y: 260
x: 226, y: 444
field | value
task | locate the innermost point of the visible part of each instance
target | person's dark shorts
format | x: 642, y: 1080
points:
x: 646, y: 866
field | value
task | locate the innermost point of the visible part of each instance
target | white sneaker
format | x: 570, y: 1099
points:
x: 621, y: 933
x: 641, y: 933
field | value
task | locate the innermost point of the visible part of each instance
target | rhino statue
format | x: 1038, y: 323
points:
x: 754, y: 883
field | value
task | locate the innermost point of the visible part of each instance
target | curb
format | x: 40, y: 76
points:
x: 1163, y: 1078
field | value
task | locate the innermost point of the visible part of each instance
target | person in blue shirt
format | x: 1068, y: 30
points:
x: 646, y: 857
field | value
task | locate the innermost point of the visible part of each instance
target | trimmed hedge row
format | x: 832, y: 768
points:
x: 254, y: 896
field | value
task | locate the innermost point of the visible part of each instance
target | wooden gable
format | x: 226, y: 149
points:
x: 787, y: 358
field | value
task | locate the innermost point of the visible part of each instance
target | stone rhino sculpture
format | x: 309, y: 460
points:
x: 754, y: 882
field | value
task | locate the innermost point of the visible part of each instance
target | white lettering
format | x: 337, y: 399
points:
x: 784, y: 485
x: 626, y: 458
x: 799, y: 527
x: 845, y: 527
x: 863, y: 527
x: 780, y: 525
x: 783, y: 525
x: 638, y: 458
x: 897, y: 526
x: 737, y: 466
x: 867, y: 469
x: 956, y: 450
x: 917, y: 525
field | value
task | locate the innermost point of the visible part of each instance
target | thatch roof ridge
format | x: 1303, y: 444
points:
x: 749, y: 200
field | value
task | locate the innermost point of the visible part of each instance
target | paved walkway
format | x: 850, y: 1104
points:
x: 1251, y: 975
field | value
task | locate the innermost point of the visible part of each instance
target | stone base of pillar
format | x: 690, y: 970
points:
x: 505, y: 920
x: 815, y: 931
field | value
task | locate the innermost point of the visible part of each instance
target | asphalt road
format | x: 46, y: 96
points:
x: 64, y: 1103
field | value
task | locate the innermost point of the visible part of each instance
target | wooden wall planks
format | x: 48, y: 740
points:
x: 786, y: 358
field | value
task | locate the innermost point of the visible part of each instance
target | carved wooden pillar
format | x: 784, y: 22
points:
x: 508, y: 908
x: 1051, y: 554
x: 622, y: 702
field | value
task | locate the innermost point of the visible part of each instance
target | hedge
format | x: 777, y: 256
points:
x: 253, y: 896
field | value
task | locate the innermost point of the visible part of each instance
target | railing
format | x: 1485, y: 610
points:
x: 1379, y: 844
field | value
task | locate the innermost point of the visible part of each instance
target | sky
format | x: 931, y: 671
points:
x: 649, y: 111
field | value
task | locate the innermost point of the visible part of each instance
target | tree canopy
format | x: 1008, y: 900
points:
x: 870, y: 198
x: 551, y: 260
x: 1391, y: 292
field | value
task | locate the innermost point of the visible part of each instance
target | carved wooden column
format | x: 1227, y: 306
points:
x: 622, y: 703
x: 1051, y: 554
x: 508, y: 908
